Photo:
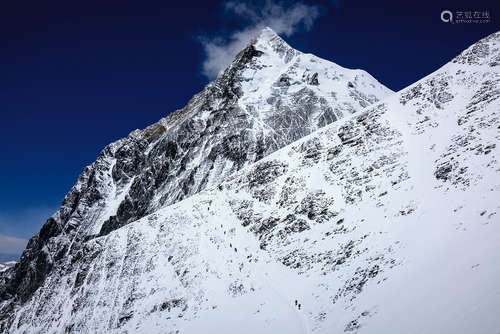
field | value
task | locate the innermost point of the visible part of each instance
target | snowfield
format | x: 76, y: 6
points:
x: 385, y: 221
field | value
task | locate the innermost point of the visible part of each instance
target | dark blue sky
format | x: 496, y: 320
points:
x: 76, y: 75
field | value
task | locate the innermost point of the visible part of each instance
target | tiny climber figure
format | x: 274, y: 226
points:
x: 235, y: 250
x: 295, y: 302
x: 230, y: 245
x: 299, y: 306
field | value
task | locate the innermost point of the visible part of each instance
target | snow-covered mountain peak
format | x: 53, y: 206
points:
x: 270, y: 96
x: 206, y: 222
x: 268, y: 34
x: 268, y: 41
x: 268, y: 73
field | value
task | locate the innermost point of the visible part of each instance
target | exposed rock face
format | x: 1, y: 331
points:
x: 270, y: 96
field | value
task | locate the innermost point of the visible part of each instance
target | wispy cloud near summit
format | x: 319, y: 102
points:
x: 284, y: 20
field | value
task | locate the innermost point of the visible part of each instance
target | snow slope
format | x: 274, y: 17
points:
x: 382, y: 222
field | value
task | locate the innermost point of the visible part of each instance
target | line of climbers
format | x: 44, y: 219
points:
x: 231, y: 246
x: 249, y: 256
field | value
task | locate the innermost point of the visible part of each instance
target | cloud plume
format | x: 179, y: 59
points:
x: 284, y: 20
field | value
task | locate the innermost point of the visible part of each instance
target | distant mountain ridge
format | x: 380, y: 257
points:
x: 6, y: 265
x: 5, y: 257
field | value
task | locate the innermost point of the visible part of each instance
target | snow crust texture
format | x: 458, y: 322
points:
x: 385, y: 221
